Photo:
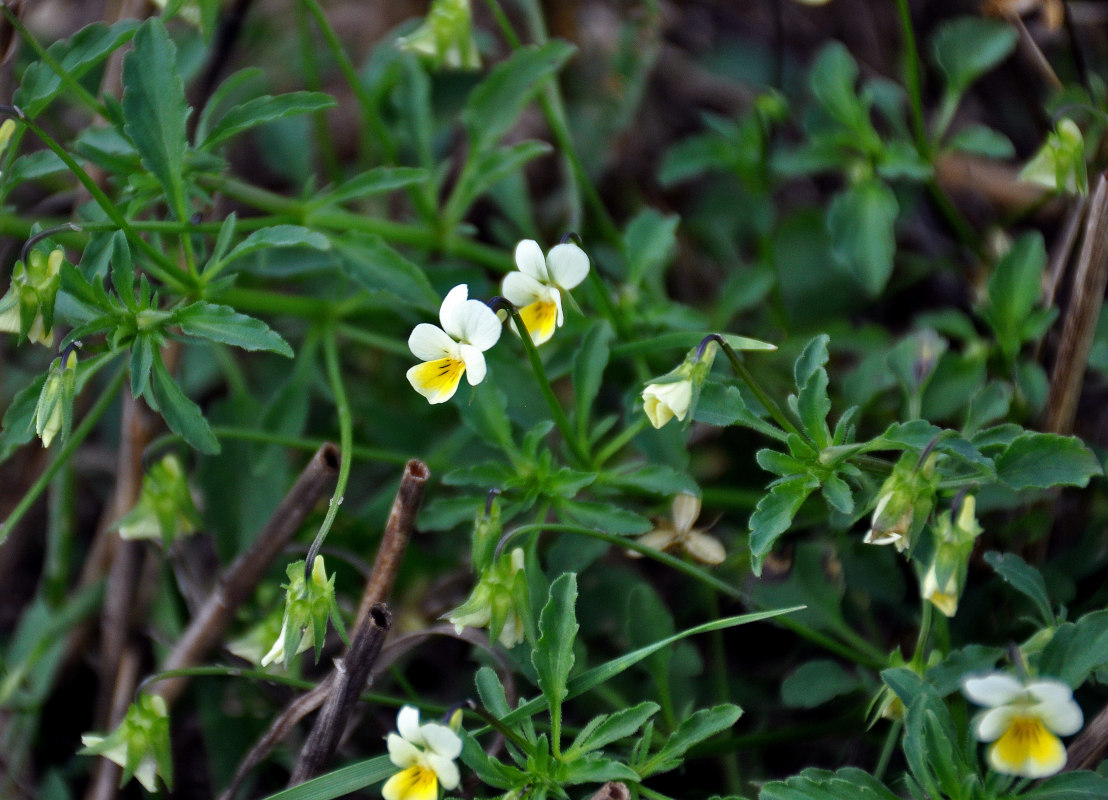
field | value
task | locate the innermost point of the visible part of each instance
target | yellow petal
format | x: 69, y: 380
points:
x: 437, y: 380
x: 1027, y: 748
x: 540, y: 318
x: 414, y: 783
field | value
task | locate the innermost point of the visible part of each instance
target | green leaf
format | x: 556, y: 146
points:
x: 155, y: 110
x: 1076, y: 649
x: 487, y: 416
x: 496, y: 103
x: 812, y: 404
x: 817, y: 682
x: 604, y: 517
x: 142, y: 360
x: 704, y: 723
x: 1024, y: 579
x: 273, y: 236
x: 966, y: 48
x: 491, y: 692
x: 486, y: 169
x: 553, y: 653
x: 375, y: 181
x: 723, y: 405
x: 861, y: 223
x: 980, y: 140
x: 774, y: 514
x: 261, y: 110
x: 1070, y: 786
x: 589, y: 363
x: 19, y: 417
x: 837, y: 493
x: 376, y: 266
x: 181, y: 414
x: 1014, y: 290
x: 848, y: 783
x: 651, y: 239
x: 831, y: 80
x: 608, y: 728
x: 654, y: 479
x: 1041, y: 460
x: 340, y: 782
x: 224, y: 324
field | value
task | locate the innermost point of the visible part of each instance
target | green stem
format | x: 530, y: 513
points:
x: 888, y: 748
x: 309, y: 67
x: 102, y: 404
x: 576, y: 447
x: 379, y: 341
x: 346, y: 442
x: 767, y: 402
x: 620, y: 440
x: 731, y: 775
x: 919, y: 657
x: 71, y: 83
x: 160, y: 266
x: 912, y: 78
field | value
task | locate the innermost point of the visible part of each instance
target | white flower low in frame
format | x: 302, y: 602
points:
x: 1023, y: 722
x: 469, y: 328
x: 425, y: 754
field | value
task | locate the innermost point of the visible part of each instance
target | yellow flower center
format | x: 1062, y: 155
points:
x: 1028, y: 740
x: 437, y: 379
x: 414, y: 783
x: 540, y: 318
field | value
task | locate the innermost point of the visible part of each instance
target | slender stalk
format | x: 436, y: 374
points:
x: 767, y: 402
x: 919, y: 657
x: 912, y: 77
x: 888, y: 748
x: 309, y: 65
x: 346, y: 444
x: 722, y: 691
x: 620, y: 440
x: 103, y: 403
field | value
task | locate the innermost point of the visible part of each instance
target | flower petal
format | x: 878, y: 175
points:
x: 991, y: 725
x: 430, y: 342
x: 402, y: 753
x: 437, y: 380
x: 994, y: 689
x: 1055, y: 706
x: 478, y: 325
x: 407, y: 724
x: 475, y: 364
x: 529, y: 259
x: 414, y: 783
x: 451, y: 308
x: 445, y: 769
x: 1027, y: 748
x: 659, y: 539
x: 686, y: 508
x: 567, y: 265
x: 704, y: 548
x: 441, y: 740
x: 521, y: 289
x: 541, y: 320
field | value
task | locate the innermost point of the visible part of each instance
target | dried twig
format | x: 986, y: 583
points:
x: 242, y: 577
x: 1087, y: 750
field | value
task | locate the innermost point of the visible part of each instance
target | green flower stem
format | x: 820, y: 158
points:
x: 767, y: 402
x: 620, y: 440
x: 262, y: 301
x: 309, y: 66
x: 912, y: 78
x: 338, y: 219
x: 60, y: 535
x: 575, y: 445
x: 103, y: 403
x: 522, y: 744
x: 160, y: 265
x: 388, y: 344
x: 887, y: 750
x: 346, y: 443
x: 858, y: 650
x: 919, y: 657
x: 720, y: 688
x: 379, y: 132
x: 71, y: 83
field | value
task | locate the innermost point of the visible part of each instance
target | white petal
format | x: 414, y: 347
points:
x: 478, y: 325
x: 475, y: 364
x: 1056, y: 707
x: 402, y: 753
x: 445, y: 769
x: 145, y: 774
x: 991, y: 724
x: 659, y: 538
x: 567, y: 264
x: 441, y: 740
x: 407, y: 723
x: 686, y: 508
x: 530, y: 261
x: 994, y: 689
x: 520, y: 289
x: 430, y: 343
x: 450, y: 310
x: 704, y: 548
x: 556, y: 296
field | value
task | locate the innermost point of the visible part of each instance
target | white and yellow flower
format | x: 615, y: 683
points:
x: 681, y: 535
x: 1023, y: 722
x: 469, y: 328
x: 664, y: 401
x: 536, y: 289
x: 425, y: 754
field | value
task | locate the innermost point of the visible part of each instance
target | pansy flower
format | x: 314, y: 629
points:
x: 536, y: 289
x: 425, y: 754
x: 469, y: 328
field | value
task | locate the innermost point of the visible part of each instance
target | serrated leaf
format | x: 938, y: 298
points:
x: 224, y: 324
x: 496, y: 103
x: 181, y: 414
x: 1024, y: 579
x: 704, y: 723
x: 155, y: 110
x: 613, y: 727
x: 378, y: 180
x: 491, y: 692
x: 260, y: 110
x: 837, y: 493
x: 1014, y: 290
x: 376, y: 266
x: 1041, y: 460
x: 966, y: 48
x: 848, y: 783
x: 596, y: 769
x: 553, y: 653
x: 604, y: 517
x: 774, y: 514
x: 861, y: 224
x: 273, y: 236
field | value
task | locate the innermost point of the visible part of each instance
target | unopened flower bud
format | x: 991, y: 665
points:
x: 445, y: 39
x: 903, y: 502
x: 674, y: 394
x: 28, y: 307
x: 499, y: 601
x: 140, y: 744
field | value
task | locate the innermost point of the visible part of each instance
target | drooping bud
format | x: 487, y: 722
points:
x: 54, y: 410
x: 28, y: 307
x: 498, y: 601
x: 140, y: 744
x: 674, y: 394
x: 164, y: 509
x: 945, y: 578
x: 445, y: 39
x: 308, y: 604
x: 903, y: 502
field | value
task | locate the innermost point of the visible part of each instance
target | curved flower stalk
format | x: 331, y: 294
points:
x: 681, y: 535
x: 1023, y: 722
x: 536, y: 289
x: 469, y: 328
x: 425, y: 754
